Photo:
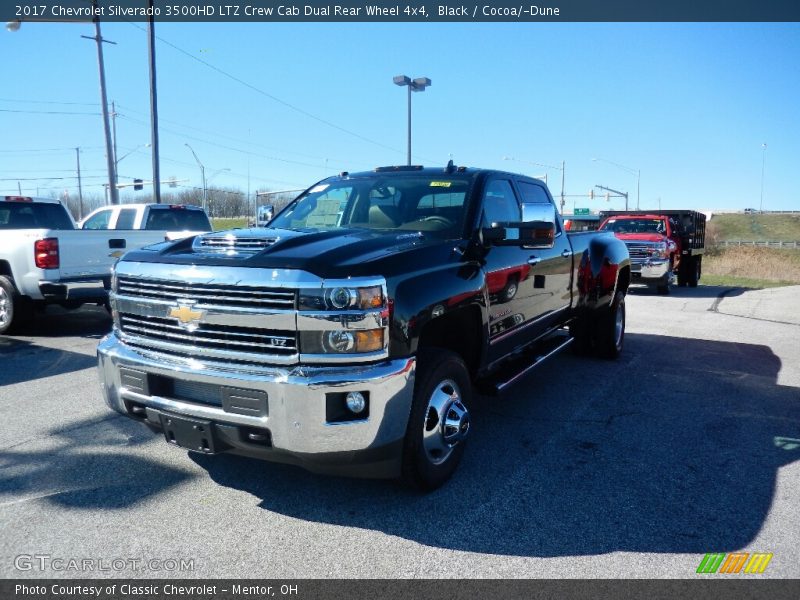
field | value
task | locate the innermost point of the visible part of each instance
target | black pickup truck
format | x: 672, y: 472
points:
x: 347, y: 336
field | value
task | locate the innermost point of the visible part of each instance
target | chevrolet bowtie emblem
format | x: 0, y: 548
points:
x: 188, y: 316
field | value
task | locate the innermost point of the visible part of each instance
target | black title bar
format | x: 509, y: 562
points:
x: 278, y: 11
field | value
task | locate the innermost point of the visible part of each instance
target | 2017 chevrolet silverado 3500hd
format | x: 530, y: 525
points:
x: 347, y: 337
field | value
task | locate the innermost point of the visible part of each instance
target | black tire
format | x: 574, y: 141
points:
x: 610, y: 329
x: 442, y: 388
x: 663, y: 288
x: 683, y: 273
x: 694, y: 271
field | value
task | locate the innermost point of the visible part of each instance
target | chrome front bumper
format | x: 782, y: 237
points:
x: 291, y: 404
x: 651, y: 268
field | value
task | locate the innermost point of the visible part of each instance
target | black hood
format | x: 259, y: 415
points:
x: 331, y: 253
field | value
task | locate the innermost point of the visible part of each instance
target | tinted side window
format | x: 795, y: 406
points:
x: 499, y: 203
x: 126, y: 218
x: 98, y: 221
x: 533, y: 193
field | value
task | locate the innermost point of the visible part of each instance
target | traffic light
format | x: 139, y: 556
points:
x: 138, y: 185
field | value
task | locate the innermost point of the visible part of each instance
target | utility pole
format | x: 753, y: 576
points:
x: 80, y: 189
x: 153, y: 103
x: 112, y: 177
x: 114, y: 141
x: 562, y: 188
x: 763, y: 164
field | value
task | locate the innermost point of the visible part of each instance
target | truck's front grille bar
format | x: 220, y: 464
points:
x: 214, y: 339
x: 639, y: 251
x: 225, y: 295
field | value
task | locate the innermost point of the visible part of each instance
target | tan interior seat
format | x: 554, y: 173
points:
x: 384, y: 217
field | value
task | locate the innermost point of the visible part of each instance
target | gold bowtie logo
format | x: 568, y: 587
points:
x: 186, y: 315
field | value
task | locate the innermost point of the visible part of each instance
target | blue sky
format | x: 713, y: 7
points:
x: 689, y: 105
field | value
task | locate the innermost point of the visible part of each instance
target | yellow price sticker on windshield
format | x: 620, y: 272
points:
x: 440, y: 183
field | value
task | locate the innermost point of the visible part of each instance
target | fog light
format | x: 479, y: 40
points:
x: 339, y: 341
x: 356, y: 402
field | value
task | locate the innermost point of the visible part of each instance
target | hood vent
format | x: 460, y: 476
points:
x: 230, y: 243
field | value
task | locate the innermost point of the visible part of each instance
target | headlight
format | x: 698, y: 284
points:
x: 658, y: 250
x: 341, y: 341
x: 342, y: 298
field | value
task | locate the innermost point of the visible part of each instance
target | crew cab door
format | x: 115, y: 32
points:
x: 513, y: 306
x: 551, y: 268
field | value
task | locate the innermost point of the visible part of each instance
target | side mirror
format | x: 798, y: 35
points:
x: 536, y: 234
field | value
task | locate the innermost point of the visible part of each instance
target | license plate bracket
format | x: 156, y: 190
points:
x: 192, y: 434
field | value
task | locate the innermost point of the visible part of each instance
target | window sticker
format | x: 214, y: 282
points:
x: 441, y: 183
x: 318, y: 188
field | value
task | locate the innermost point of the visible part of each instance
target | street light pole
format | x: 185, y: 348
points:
x: 416, y: 85
x: 202, y: 176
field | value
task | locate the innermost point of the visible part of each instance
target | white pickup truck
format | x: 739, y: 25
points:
x: 177, y: 220
x: 46, y: 259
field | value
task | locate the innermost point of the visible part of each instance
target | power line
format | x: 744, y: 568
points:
x: 48, y: 112
x: 228, y: 137
x: 48, y: 178
x: 71, y: 149
x: 218, y: 145
x: 50, y: 102
x: 268, y: 95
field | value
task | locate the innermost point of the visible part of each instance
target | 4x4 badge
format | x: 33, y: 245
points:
x: 187, y: 316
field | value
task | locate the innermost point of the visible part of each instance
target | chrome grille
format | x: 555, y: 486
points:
x: 225, y: 243
x: 165, y: 334
x: 639, y: 251
x: 208, y: 294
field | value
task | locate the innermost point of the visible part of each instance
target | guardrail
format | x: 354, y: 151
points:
x: 760, y: 243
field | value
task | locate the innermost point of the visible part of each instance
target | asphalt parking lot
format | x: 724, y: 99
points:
x: 689, y: 444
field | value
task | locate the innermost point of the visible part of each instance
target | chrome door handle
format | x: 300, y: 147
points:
x: 566, y: 253
x: 534, y: 260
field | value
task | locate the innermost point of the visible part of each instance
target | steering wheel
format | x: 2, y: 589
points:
x: 439, y: 219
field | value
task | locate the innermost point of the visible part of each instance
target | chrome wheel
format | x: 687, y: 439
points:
x: 5, y: 308
x: 619, y: 323
x: 511, y: 290
x: 446, y: 422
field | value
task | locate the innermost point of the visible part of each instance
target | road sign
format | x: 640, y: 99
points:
x: 581, y: 211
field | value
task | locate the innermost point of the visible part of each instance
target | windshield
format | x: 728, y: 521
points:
x: 634, y: 226
x: 421, y: 203
x: 29, y: 215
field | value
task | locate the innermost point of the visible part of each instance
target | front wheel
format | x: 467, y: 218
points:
x: 8, y: 304
x: 439, y: 421
x: 610, y: 328
x: 510, y: 290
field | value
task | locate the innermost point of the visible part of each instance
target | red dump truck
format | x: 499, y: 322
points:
x: 663, y: 244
